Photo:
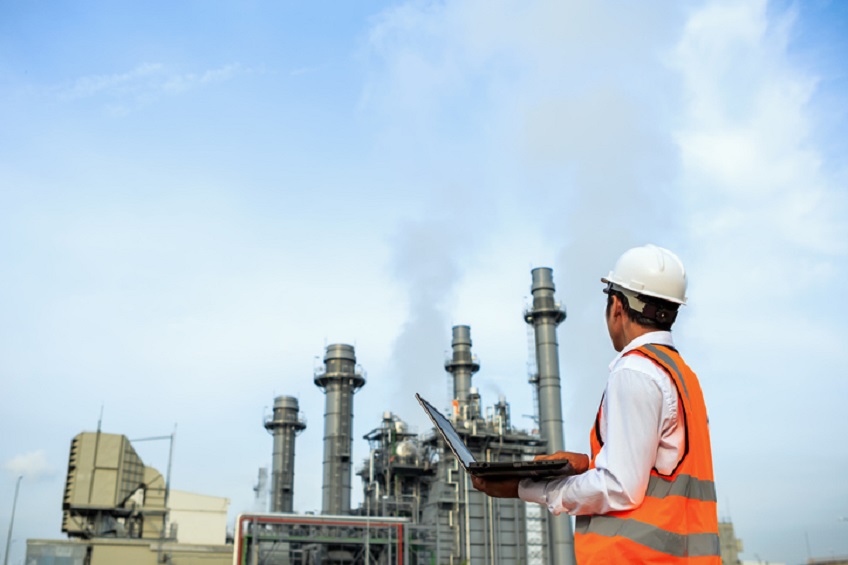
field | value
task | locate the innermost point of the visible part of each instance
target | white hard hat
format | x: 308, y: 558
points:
x: 651, y: 271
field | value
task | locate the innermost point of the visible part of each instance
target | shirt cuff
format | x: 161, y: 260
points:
x: 532, y: 491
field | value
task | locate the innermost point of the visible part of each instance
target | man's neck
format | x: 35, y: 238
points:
x: 632, y: 330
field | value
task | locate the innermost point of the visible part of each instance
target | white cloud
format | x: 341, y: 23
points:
x: 129, y: 81
x: 751, y: 172
x: 766, y: 225
x: 32, y: 465
x: 145, y: 84
x: 184, y: 82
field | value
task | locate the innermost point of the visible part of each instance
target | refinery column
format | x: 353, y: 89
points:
x: 283, y: 425
x: 462, y: 365
x: 545, y: 316
x: 339, y: 379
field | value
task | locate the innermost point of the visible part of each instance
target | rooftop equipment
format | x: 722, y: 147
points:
x: 284, y: 425
x: 109, y: 491
x: 340, y: 378
x: 545, y: 315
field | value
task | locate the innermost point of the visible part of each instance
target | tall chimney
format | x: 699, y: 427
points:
x: 545, y: 316
x: 462, y: 365
x: 283, y: 425
x: 339, y: 379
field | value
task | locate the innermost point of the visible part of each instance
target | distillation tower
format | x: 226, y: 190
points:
x: 339, y: 378
x: 284, y: 425
x: 545, y: 315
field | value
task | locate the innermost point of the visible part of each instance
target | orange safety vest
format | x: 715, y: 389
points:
x: 677, y: 522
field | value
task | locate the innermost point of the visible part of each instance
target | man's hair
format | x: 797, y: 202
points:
x: 659, y: 314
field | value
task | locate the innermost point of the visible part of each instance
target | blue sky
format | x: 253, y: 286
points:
x: 196, y: 198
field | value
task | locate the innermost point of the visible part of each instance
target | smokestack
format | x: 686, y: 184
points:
x: 283, y: 425
x: 462, y: 365
x: 545, y: 316
x: 339, y: 379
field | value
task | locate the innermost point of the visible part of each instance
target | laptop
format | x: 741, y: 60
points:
x: 497, y: 469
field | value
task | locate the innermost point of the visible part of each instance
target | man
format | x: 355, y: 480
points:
x: 646, y: 494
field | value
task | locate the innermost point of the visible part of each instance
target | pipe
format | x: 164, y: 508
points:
x: 545, y: 315
x: 12, y: 520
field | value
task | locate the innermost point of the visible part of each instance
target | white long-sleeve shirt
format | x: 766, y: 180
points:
x: 641, y: 426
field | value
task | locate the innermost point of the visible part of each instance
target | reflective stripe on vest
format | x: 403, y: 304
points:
x: 663, y: 356
x: 676, y: 522
x: 682, y: 485
x: 677, y: 545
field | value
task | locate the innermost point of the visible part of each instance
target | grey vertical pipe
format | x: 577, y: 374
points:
x: 545, y: 316
x: 339, y: 380
x: 461, y: 365
x: 12, y: 520
x: 284, y: 425
x: 260, y: 503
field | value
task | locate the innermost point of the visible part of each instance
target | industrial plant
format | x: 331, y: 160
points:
x: 418, y: 505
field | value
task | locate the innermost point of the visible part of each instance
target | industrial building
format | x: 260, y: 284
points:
x: 116, y: 509
x: 418, y: 504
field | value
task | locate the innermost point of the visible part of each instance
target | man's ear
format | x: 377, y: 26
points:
x: 617, y: 306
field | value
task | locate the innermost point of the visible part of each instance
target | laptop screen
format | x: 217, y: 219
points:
x: 459, y: 448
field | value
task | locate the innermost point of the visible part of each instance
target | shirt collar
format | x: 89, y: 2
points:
x: 660, y: 338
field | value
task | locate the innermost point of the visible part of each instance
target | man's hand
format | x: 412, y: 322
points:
x: 508, y: 488
x: 505, y: 488
x: 579, y: 461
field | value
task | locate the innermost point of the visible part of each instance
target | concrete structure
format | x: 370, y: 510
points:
x: 124, y: 551
x: 730, y: 545
x: 545, y: 315
x: 339, y: 379
x: 198, y: 519
x: 284, y: 425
